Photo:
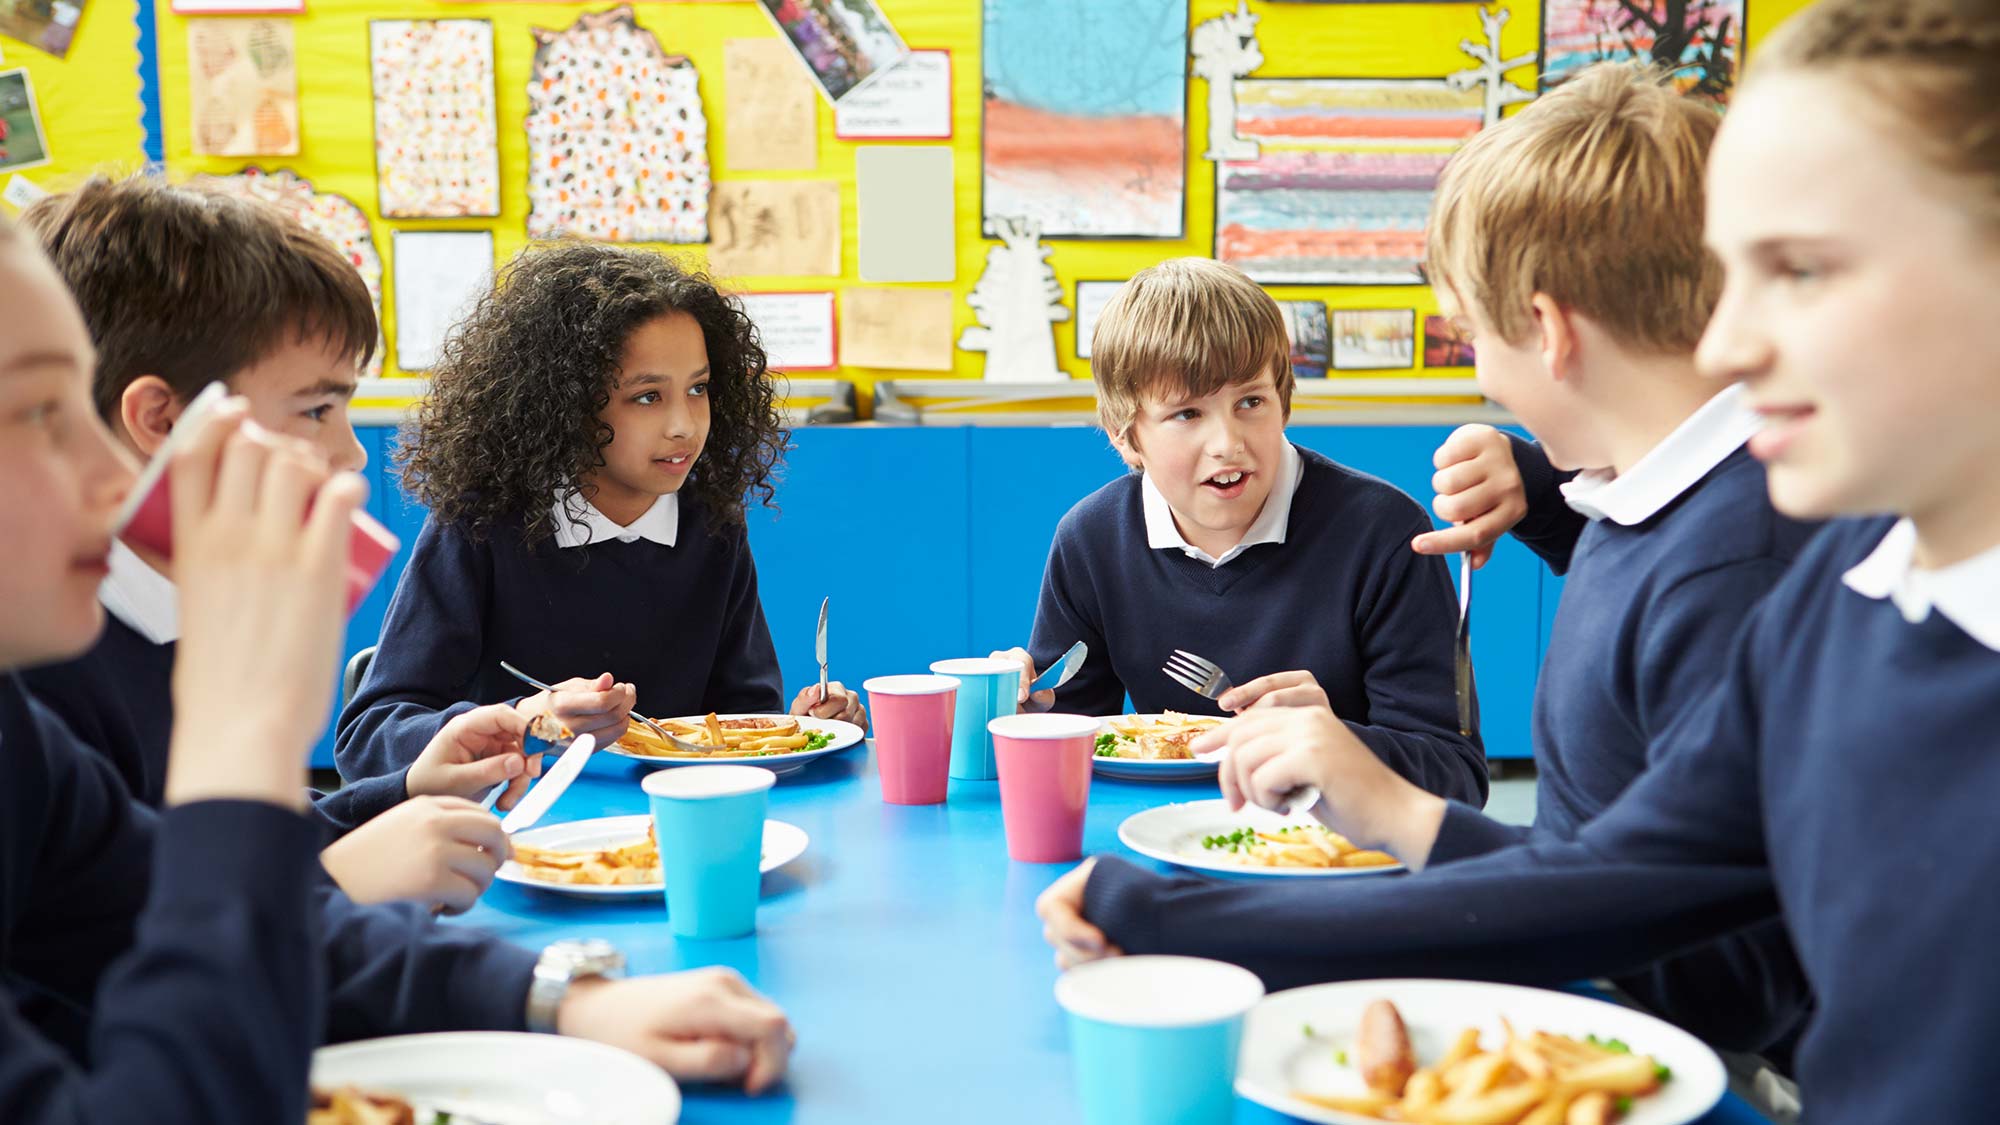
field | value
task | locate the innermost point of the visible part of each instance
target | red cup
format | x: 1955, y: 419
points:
x: 1044, y: 765
x: 912, y: 718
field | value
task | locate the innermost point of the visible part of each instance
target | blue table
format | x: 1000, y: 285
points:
x: 903, y: 944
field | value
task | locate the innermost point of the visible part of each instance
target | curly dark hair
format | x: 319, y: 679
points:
x: 512, y: 419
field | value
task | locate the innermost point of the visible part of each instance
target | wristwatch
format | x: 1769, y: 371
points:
x: 562, y: 962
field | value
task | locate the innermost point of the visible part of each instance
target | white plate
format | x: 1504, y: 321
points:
x: 1143, y: 769
x: 1173, y: 834
x: 783, y: 843
x: 845, y: 734
x: 1278, y: 1058
x: 507, y: 1077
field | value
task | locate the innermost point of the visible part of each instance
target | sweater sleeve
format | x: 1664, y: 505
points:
x: 359, y: 801
x: 1467, y: 832
x: 745, y: 676
x: 1551, y: 527
x: 392, y: 970
x: 427, y: 660
x: 1064, y: 615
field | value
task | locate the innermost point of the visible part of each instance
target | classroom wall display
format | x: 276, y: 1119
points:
x: 1445, y: 345
x: 617, y: 137
x: 440, y: 275
x: 437, y: 133
x: 1311, y: 337
x: 1015, y: 301
x: 1488, y: 72
x: 238, y: 7
x: 797, y: 329
x: 1091, y: 297
x: 775, y: 228
x: 22, y: 143
x: 1085, y: 108
x: 243, y: 90
x: 910, y: 101
x: 1225, y: 49
x: 903, y: 213
x: 1699, y: 41
x: 897, y: 329
x: 770, y: 117
x: 49, y: 25
x: 843, y: 43
x: 1370, y: 339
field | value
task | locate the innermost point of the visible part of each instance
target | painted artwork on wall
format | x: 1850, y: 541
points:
x: 243, y: 87
x: 1085, y: 131
x: 1700, y: 41
x: 1374, y: 339
x: 437, y: 132
x: 1446, y: 344
x: 617, y: 138
x: 1341, y: 187
x: 1311, y: 336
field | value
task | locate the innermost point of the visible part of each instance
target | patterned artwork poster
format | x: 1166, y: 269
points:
x: 243, y: 87
x: 1698, y: 41
x: 617, y: 136
x: 437, y: 138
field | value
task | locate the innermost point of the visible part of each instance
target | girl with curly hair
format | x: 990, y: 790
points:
x: 594, y: 430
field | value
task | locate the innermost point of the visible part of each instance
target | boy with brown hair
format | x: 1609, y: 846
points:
x: 1229, y: 537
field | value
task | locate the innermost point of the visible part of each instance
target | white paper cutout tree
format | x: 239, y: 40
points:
x: 1225, y: 49
x: 1492, y: 69
x: 1016, y: 300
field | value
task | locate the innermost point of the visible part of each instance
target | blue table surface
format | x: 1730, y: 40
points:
x: 903, y: 944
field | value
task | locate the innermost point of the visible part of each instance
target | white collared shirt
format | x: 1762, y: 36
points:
x: 141, y: 597
x: 660, y: 524
x: 1269, y: 527
x: 1678, y: 463
x: 1968, y: 593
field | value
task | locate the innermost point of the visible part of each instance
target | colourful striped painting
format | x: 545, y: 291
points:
x: 1342, y: 185
x: 1697, y: 39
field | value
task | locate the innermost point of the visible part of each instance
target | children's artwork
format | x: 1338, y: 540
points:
x: 335, y: 218
x: 1342, y: 189
x: 1091, y: 297
x: 22, y: 142
x: 437, y: 138
x: 910, y: 101
x: 904, y: 213
x: 243, y: 87
x: 1225, y: 49
x: 771, y: 120
x: 775, y: 228
x: 1085, y: 117
x: 47, y: 24
x: 797, y: 329
x: 1489, y: 70
x: 1306, y: 327
x: 617, y: 138
x: 440, y: 275
x: 1445, y: 345
x: 1699, y: 41
x: 1015, y: 301
x: 1374, y: 338
x: 238, y: 7
x: 843, y: 43
x: 900, y: 329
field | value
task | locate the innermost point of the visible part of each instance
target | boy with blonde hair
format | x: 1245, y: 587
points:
x: 1231, y: 542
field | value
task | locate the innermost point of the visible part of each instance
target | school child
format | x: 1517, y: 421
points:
x: 593, y: 432
x: 1235, y: 544
x: 1842, y: 770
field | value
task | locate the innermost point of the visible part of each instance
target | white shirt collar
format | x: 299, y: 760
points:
x: 1968, y: 593
x: 141, y: 597
x: 660, y: 524
x: 1269, y: 527
x: 1675, y: 465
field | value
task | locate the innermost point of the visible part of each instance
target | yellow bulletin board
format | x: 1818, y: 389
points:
x: 90, y: 109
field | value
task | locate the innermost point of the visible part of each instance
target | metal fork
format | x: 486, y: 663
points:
x: 681, y: 745
x: 1206, y: 678
x: 1462, y: 657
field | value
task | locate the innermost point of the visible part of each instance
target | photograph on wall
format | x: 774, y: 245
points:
x: 843, y: 43
x: 437, y: 132
x: 1085, y: 128
x: 1341, y: 187
x: 1446, y: 344
x: 243, y: 87
x: 1698, y: 41
x: 617, y: 136
x: 1374, y: 339
x: 22, y: 142
x: 1311, y: 337
x: 49, y: 25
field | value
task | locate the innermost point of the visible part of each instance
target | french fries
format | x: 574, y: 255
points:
x: 354, y: 1107
x: 1303, y: 845
x: 777, y: 734
x: 1163, y: 739
x: 1536, y: 1079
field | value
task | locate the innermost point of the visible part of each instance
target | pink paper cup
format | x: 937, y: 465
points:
x: 912, y: 718
x: 1044, y: 765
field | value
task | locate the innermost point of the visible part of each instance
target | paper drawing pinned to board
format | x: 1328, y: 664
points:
x: 900, y: 329
x: 775, y: 228
x: 1311, y: 337
x: 1016, y: 301
x: 1225, y: 49
x: 1698, y: 41
x: 617, y: 139
x: 440, y: 276
x: 1490, y: 73
x: 243, y: 87
x: 770, y: 118
x: 1364, y: 339
x: 1085, y: 117
x: 1446, y: 344
x: 437, y: 133
x: 843, y: 43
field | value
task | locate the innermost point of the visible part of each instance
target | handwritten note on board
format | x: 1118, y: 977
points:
x: 797, y: 329
x: 909, y: 101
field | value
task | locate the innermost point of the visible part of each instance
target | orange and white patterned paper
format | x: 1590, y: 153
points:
x: 243, y: 87
x: 437, y: 140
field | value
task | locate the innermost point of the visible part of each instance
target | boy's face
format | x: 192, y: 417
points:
x: 1517, y: 375
x: 1866, y: 344
x: 304, y: 389
x: 1212, y: 457
x: 659, y: 415
x: 61, y: 476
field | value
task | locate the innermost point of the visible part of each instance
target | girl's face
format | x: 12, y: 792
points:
x: 61, y: 478
x: 658, y: 416
x: 1858, y: 309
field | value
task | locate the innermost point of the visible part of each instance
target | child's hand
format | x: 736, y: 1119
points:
x: 1479, y: 492
x: 1061, y: 910
x: 601, y: 707
x: 839, y: 704
x: 475, y: 751
x: 439, y: 851
x: 1274, y: 751
x: 1041, y: 700
x: 1280, y: 689
x: 705, y: 1025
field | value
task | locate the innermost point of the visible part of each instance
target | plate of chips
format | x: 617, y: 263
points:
x: 782, y: 744
x: 615, y: 857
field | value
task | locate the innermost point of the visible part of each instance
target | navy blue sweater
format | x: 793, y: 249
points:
x: 1343, y: 597
x: 1843, y: 769
x: 682, y: 623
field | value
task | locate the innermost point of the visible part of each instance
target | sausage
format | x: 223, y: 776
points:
x: 1382, y: 1047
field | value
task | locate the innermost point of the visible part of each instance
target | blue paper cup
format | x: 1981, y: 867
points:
x: 710, y: 824
x: 1155, y: 1038
x: 988, y: 689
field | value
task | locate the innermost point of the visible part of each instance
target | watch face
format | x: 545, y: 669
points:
x: 589, y: 955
